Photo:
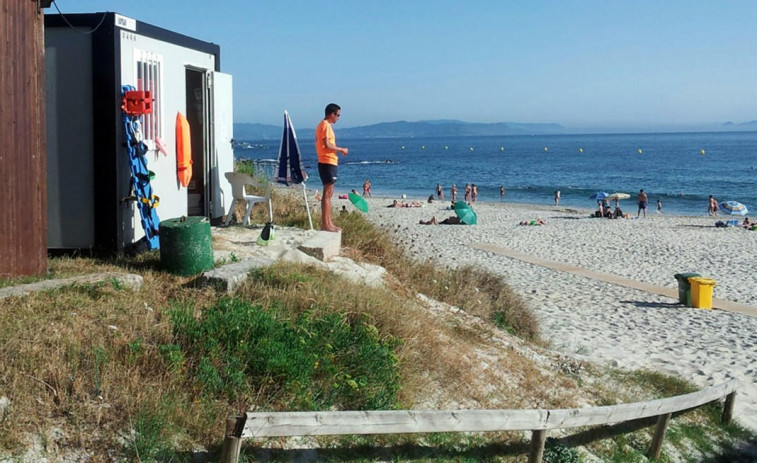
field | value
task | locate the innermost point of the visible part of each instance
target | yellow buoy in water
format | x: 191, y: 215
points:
x: 546, y: 149
x: 640, y: 151
x: 501, y: 148
x: 423, y: 147
x: 580, y: 150
x: 446, y: 147
x: 403, y: 147
x: 471, y: 148
x: 701, y: 152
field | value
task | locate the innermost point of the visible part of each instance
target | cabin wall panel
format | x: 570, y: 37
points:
x: 70, y: 163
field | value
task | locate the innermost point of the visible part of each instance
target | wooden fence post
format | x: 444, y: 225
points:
x: 232, y: 442
x: 538, y: 437
x: 659, y: 434
x: 728, y: 407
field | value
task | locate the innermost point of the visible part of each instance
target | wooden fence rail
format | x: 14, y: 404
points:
x: 271, y: 424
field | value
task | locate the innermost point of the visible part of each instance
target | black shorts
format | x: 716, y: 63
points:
x: 327, y: 173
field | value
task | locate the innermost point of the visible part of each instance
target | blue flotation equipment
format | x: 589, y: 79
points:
x: 135, y: 104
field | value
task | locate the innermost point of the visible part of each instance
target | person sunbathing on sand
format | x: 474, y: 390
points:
x: 396, y: 203
x: 452, y: 220
x: 533, y: 222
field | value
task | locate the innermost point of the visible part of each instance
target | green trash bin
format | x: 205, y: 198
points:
x: 684, y: 287
x: 186, y: 247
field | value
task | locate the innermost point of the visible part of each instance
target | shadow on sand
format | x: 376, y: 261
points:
x: 655, y: 305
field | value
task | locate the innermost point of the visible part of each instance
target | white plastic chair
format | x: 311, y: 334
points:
x: 238, y: 193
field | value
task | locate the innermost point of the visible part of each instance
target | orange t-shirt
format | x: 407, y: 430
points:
x: 325, y: 155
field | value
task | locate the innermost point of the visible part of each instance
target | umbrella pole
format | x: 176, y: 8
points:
x: 270, y: 205
x: 307, y: 205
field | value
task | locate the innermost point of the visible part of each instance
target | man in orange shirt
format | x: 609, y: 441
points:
x: 325, y: 146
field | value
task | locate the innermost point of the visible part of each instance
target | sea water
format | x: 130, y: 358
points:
x: 679, y: 169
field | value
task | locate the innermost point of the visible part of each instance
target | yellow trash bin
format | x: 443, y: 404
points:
x: 701, y: 292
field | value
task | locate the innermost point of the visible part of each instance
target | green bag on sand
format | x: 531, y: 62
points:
x: 267, y: 235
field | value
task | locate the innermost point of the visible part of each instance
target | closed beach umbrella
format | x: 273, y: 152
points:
x: 465, y: 213
x: 733, y: 208
x: 291, y: 170
x: 619, y: 196
x: 599, y: 195
x: 359, y: 202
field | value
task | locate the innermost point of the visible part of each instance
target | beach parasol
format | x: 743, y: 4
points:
x: 619, y: 196
x: 359, y: 202
x: 291, y: 171
x: 599, y: 195
x: 733, y: 208
x: 465, y: 213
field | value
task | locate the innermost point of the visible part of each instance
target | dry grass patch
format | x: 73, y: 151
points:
x: 477, y: 292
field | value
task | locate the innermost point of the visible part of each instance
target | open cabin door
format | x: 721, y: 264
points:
x: 221, y: 151
x: 210, y: 116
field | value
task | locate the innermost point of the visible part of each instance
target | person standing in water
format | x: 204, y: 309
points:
x: 557, y: 197
x: 327, y: 149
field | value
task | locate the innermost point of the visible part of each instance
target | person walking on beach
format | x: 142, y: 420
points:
x: 473, y: 193
x: 643, y: 202
x: 327, y: 149
x: 557, y: 197
x: 367, y: 188
x: 467, y: 192
x: 439, y: 192
x: 453, y: 192
x: 712, y: 207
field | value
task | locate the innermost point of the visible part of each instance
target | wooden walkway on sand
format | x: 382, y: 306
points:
x: 609, y: 278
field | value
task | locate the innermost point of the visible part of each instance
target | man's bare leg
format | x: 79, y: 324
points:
x: 326, y: 223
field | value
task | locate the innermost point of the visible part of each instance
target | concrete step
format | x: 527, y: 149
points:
x: 324, y: 245
x: 228, y: 277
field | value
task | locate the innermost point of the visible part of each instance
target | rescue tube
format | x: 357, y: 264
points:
x: 183, y: 150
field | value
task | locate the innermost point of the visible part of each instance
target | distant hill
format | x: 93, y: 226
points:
x: 751, y: 125
x: 405, y: 129
x: 446, y: 128
x: 247, y: 131
x: 453, y: 128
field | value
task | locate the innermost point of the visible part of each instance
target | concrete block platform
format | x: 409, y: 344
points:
x: 228, y: 277
x: 324, y: 245
x: 128, y: 280
x: 309, y: 247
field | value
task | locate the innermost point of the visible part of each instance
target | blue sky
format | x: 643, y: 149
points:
x: 578, y: 63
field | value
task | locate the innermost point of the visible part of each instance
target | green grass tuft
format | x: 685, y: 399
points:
x: 316, y: 361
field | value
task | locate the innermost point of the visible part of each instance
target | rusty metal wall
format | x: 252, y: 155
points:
x: 23, y: 194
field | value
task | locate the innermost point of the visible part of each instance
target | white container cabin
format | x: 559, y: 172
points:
x: 88, y: 58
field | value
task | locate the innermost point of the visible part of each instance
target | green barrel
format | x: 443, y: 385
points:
x: 186, y: 247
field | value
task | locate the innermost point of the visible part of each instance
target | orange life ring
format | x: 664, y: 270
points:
x: 183, y: 150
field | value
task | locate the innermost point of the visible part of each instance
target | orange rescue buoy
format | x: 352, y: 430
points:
x: 183, y: 150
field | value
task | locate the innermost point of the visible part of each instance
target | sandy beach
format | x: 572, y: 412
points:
x: 600, y: 321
